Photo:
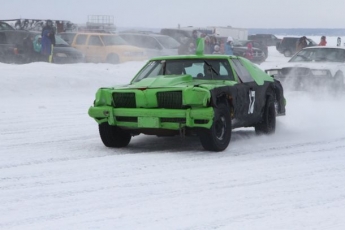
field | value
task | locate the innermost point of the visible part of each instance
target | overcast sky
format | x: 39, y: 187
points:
x: 163, y: 13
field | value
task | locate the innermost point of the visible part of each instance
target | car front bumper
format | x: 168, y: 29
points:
x: 136, y: 118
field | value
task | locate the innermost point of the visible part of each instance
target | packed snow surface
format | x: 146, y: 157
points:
x: 55, y: 173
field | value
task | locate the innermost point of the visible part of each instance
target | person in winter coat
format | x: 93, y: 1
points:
x: 249, y: 52
x: 228, y: 47
x: 301, y: 43
x: 208, y: 49
x: 191, y: 48
x: 48, y: 41
x: 217, y: 50
x: 323, y: 41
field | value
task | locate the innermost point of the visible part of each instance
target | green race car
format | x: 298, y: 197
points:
x: 203, y: 95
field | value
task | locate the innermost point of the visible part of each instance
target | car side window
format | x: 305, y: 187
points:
x: 130, y: 39
x: 139, y: 40
x: 81, y: 39
x: 241, y: 71
x: 151, y: 43
x: 134, y: 40
x: 95, y: 40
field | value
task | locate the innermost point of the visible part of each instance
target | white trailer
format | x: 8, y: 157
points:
x: 235, y: 33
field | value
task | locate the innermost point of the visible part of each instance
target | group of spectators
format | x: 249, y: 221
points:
x: 212, y: 45
x: 41, y: 47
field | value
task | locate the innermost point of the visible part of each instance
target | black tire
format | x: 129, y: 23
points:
x: 287, y: 53
x: 268, y: 123
x: 277, y: 45
x: 113, y: 59
x: 113, y: 136
x: 217, y: 138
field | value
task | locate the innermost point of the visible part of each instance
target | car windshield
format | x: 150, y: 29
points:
x: 60, y: 41
x: 67, y: 37
x: 113, y: 40
x: 168, y: 42
x: 319, y: 55
x: 202, y: 69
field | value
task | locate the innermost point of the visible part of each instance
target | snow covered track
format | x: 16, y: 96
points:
x: 56, y: 174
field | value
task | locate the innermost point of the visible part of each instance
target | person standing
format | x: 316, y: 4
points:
x: 228, y: 47
x: 338, y: 41
x: 48, y: 41
x: 249, y: 52
x: 208, y: 49
x: 301, y: 43
x: 323, y: 41
x: 217, y: 50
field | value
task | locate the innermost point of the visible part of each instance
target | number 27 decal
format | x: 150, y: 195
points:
x: 251, y: 101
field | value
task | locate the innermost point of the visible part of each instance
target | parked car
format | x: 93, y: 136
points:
x: 18, y: 46
x: 313, y: 68
x: 154, y: 44
x: 11, y: 46
x: 268, y: 39
x: 203, y: 95
x: 258, y: 55
x: 260, y: 50
x: 106, y: 48
x: 288, y: 45
x: 256, y: 44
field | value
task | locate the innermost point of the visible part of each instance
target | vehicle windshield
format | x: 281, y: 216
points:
x: 201, y: 69
x: 60, y: 41
x: 168, y: 42
x: 113, y: 40
x: 319, y: 55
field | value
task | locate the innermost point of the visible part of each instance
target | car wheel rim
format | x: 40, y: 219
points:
x: 220, y: 126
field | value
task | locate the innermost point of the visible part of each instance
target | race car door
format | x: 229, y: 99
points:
x: 247, y: 112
